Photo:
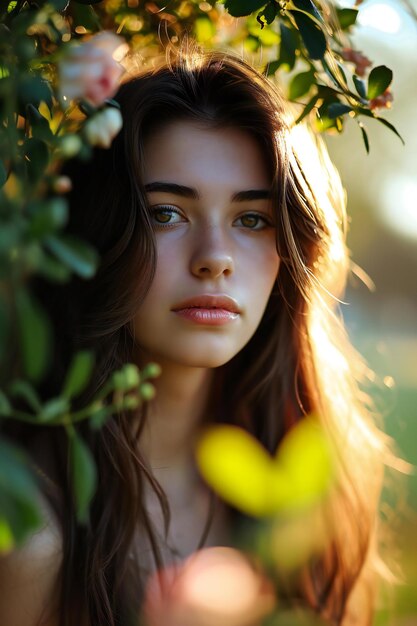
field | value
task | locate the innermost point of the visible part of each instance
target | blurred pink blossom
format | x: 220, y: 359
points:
x: 91, y: 70
x: 214, y: 587
x: 360, y: 61
x: 383, y: 101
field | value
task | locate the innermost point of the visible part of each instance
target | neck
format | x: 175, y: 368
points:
x: 175, y: 415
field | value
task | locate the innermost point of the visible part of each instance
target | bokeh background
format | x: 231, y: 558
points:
x: 382, y: 203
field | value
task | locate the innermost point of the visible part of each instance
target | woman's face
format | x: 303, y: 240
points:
x: 216, y: 250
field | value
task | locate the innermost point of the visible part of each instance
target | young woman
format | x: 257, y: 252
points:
x: 222, y: 259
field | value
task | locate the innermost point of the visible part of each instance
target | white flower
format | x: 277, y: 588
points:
x: 103, y: 127
x: 91, y: 70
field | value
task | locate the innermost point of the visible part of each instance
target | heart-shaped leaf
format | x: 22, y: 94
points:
x: 242, y: 472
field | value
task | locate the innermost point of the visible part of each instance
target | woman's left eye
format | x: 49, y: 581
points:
x: 254, y: 221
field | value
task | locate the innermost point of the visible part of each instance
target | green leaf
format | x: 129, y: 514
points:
x: 33, y: 89
x: 84, y: 476
x: 40, y: 125
x: 289, y: 45
x: 23, y: 389
x: 360, y: 86
x: 240, y: 8
x: 18, y: 492
x: 4, y: 327
x: 301, y: 84
x: 390, y: 126
x: 53, y: 269
x: 364, y: 136
x: 76, y: 254
x: 379, y: 80
x: 309, y: 7
x: 311, y: 34
x: 37, y: 157
x: 5, y: 406
x: 48, y: 216
x: 128, y: 377
x: 34, y: 334
x: 53, y: 409
x: 268, y: 15
x: 3, y: 174
x: 204, y: 29
x: 6, y: 537
x: 79, y: 374
x: 347, y: 17
x: 336, y: 109
x: 307, y: 109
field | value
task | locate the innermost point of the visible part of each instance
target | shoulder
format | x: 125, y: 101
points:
x: 29, y: 577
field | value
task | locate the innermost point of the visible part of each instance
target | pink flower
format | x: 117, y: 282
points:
x: 214, y: 587
x: 91, y: 70
x: 360, y: 60
x: 383, y: 101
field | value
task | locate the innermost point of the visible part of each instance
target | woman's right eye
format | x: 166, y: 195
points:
x: 166, y: 215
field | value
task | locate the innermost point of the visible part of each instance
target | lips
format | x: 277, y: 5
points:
x: 206, y: 301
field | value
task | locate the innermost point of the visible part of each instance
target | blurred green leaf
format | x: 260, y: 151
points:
x: 240, y: 8
x: 301, y: 84
x: 37, y: 156
x: 126, y: 378
x: 6, y: 536
x: 360, y: 86
x: 309, y: 7
x: 48, y: 216
x: 33, y: 89
x: 5, y: 406
x: 379, y: 80
x: 40, y: 125
x: 3, y: 174
x: 19, y: 504
x: 311, y: 34
x: 24, y: 390
x: 289, y: 45
x: 84, y: 476
x: 53, y: 269
x: 335, y: 109
x: 347, y: 17
x: 4, y: 327
x: 79, y: 374
x: 34, y: 334
x: 53, y: 409
x: 307, y: 109
x: 204, y: 29
x: 243, y: 473
x: 76, y: 254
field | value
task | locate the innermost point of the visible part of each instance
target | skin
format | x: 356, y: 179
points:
x: 210, y: 244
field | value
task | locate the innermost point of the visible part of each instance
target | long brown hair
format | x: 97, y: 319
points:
x: 299, y: 360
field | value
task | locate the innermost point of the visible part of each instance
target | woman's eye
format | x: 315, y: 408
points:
x: 254, y: 221
x: 166, y: 215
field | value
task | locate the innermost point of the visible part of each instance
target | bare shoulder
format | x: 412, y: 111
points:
x: 29, y: 577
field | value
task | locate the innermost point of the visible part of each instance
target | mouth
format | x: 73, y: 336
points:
x: 209, y: 302
x: 209, y: 310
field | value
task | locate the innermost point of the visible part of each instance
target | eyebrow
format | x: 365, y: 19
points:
x: 190, y: 192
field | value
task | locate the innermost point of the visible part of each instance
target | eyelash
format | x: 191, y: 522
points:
x: 169, y: 209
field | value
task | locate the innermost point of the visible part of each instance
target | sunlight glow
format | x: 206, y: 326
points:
x: 381, y: 16
x: 399, y: 205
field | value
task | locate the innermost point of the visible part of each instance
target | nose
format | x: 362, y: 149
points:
x: 212, y: 255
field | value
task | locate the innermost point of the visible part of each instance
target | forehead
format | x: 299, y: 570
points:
x: 190, y: 154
